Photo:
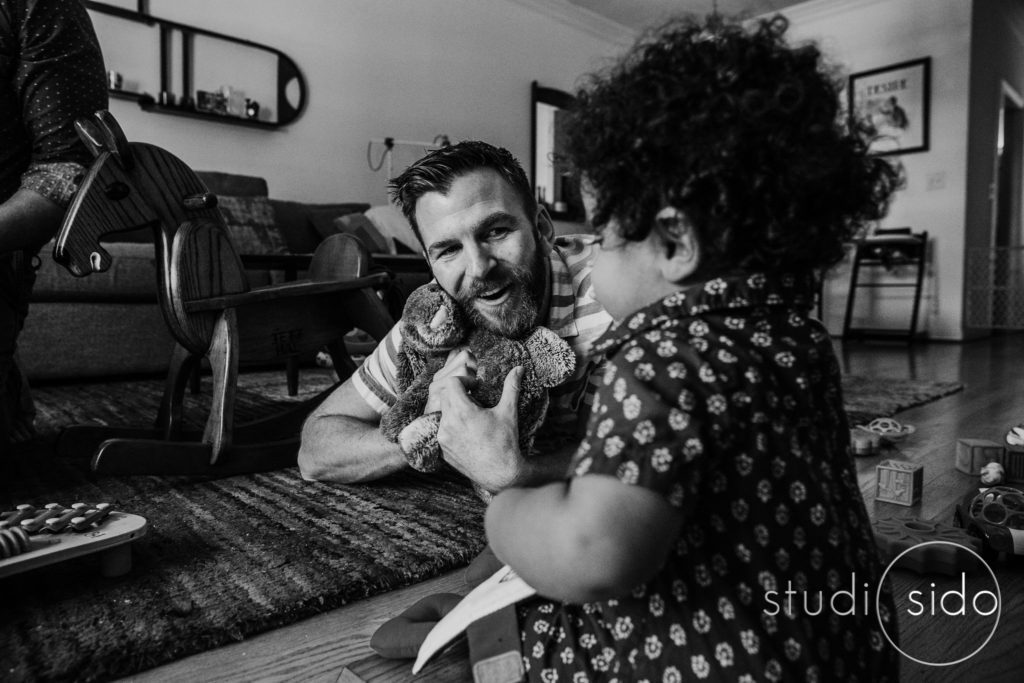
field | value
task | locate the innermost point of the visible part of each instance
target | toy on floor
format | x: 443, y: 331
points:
x: 894, y: 536
x: 890, y: 430
x: 432, y: 324
x: 975, y: 456
x: 996, y: 516
x: 32, y: 537
x: 992, y: 474
x: 899, y: 481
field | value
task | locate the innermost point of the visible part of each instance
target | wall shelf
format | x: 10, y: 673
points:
x: 177, y: 45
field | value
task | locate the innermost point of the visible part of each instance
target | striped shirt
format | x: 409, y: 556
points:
x: 574, y: 314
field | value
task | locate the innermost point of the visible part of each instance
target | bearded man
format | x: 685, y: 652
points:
x: 491, y: 246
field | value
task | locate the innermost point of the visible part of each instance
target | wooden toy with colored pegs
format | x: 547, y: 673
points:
x: 32, y: 537
x: 951, y: 556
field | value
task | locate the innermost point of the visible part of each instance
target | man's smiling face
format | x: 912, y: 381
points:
x: 483, y: 250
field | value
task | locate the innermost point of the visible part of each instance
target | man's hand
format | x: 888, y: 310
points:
x: 481, y: 443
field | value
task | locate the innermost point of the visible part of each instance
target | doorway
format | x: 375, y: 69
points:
x: 1007, y: 237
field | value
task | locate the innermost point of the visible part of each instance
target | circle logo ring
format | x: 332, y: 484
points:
x: 878, y: 599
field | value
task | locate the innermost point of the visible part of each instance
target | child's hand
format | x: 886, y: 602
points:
x: 461, y: 365
x: 481, y: 443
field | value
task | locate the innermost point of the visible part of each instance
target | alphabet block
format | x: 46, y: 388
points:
x: 899, y: 481
x: 973, y: 454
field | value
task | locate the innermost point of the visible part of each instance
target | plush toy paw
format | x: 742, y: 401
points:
x: 419, y: 442
x: 553, y: 359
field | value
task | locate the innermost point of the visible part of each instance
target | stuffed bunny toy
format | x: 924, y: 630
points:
x: 433, y: 324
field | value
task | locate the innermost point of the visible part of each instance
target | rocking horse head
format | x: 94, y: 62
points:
x: 128, y: 186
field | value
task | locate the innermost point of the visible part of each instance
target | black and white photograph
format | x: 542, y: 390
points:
x: 511, y: 341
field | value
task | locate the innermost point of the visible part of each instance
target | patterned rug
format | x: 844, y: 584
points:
x: 229, y: 558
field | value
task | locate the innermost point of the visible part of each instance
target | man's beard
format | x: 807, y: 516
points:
x: 518, y: 315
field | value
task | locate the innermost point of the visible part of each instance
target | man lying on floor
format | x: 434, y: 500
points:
x: 490, y: 246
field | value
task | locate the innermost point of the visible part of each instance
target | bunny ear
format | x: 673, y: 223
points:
x: 114, y: 139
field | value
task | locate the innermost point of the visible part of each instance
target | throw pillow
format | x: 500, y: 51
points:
x: 251, y: 225
x: 359, y: 225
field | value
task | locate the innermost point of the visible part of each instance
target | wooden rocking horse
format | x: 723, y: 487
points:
x: 210, y: 309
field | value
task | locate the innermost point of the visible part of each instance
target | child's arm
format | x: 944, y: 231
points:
x: 589, y: 538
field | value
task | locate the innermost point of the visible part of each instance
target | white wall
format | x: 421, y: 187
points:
x: 374, y: 68
x: 862, y: 35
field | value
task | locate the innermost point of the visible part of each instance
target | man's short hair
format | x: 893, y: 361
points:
x: 436, y: 171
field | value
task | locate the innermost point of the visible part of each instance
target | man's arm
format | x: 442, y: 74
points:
x: 341, y: 441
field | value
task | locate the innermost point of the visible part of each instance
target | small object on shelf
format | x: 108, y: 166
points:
x: 996, y: 516
x: 889, y: 429
x: 894, y: 536
x: 252, y: 108
x: 114, y: 80
x: 973, y: 454
x: 992, y: 474
x: 167, y: 99
x: 211, y: 102
x: 899, y: 481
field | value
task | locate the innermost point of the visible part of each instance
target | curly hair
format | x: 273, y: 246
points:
x: 739, y: 131
x: 436, y: 171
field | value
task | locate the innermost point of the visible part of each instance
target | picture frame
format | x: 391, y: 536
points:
x: 893, y: 102
x: 557, y: 189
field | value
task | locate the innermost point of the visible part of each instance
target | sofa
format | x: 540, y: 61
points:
x: 110, y: 325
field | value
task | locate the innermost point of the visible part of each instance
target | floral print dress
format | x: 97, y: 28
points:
x: 725, y: 398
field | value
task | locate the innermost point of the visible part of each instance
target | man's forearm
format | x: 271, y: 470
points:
x: 344, y: 449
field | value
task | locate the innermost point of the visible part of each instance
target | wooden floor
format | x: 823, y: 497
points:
x: 334, y: 646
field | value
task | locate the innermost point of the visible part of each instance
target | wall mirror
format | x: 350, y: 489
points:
x: 554, y: 184
x: 172, y: 68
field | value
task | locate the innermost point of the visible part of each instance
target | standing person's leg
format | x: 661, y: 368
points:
x: 16, y: 408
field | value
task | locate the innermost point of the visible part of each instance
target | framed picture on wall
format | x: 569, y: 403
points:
x: 892, y: 102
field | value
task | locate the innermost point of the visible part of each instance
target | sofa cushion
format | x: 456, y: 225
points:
x: 251, y: 225
x: 304, y: 226
x: 391, y: 223
x: 233, y: 184
x: 359, y: 225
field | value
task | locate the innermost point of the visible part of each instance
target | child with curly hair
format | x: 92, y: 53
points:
x: 712, y: 511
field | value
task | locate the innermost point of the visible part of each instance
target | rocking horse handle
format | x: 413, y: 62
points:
x: 102, y: 133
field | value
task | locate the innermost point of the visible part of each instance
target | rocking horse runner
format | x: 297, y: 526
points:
x: 209, y: 307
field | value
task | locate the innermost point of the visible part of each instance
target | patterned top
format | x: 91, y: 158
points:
x: 725, y: 398
x: 52, y: 73
x: 573, y: 314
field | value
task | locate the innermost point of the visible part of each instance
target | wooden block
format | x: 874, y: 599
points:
x: 899, y: 481
x: 973, y: 454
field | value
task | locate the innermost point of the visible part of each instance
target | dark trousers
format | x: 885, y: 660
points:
x: 17, y: 275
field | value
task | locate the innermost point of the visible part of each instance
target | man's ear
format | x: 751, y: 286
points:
x: 545, y: 226
x: 681, y: 250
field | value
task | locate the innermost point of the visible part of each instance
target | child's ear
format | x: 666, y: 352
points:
x: 681, y: 250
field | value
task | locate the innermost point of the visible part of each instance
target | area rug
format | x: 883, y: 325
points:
x: 223, y: 559
x: 229, y: 558
x: 866, y: 398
